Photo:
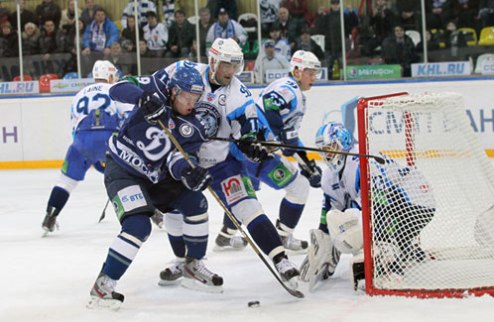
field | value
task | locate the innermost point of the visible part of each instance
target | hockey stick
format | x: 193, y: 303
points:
x: 378, y: 159
x: 103, y: 214
x: 292, y: 292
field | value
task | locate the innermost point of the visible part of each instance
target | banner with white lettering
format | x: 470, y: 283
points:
x: 457, y: 68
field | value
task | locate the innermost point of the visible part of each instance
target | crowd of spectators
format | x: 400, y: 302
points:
x: 378, y: 34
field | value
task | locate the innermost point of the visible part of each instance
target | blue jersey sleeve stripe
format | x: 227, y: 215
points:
x: 239, y: 111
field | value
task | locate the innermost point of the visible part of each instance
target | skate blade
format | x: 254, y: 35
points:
x: 316, y: 278
x: 198, y: 286
x: 220, y: 249
x: 170, y: 283
x: 292, y: 283
x: 99, y: 303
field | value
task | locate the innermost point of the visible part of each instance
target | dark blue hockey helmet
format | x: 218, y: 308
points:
x: 187, y: 79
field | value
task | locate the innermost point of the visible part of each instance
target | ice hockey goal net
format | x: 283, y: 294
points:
x: 428, y: 219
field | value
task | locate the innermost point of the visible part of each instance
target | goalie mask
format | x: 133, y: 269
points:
x: 335, y: 137
x: 225, y: 50
x: 103, y: 69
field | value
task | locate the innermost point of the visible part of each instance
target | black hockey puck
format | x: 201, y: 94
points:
x: 254, y: 304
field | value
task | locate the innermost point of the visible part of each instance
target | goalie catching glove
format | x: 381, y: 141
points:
x: 253, y: 150
x: 151, y: 106
x: 196, y: 179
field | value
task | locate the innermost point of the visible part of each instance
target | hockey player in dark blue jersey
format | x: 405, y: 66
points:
x: 95, y: 117
x: 145, y: 172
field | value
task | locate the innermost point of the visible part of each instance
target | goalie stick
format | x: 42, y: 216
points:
x: 378, y: 159
x: 292, y: 292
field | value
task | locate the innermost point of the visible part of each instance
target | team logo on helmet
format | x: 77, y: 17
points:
x: 209, y: 117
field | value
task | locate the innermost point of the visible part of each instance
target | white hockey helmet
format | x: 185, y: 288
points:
x: 302, y: 59
x: 226, y: 50
x: 103, y: 69
x: 335, y: 137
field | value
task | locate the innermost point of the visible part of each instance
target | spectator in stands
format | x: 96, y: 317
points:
x: 4, y: 14
x: 229, y: 5
x: 118, y: 59
x: 144, y: 6
x: 88, y: 12
x: 205, y: 22
x: 100, y: 34
x: 281, y: 45
x: 269, y: 59
x: 30, y: 39
x: 9, y: 43
x: 168, y: 11
x: 438, y: 13
x: 52, y: 40
x: 466, y: 11
x: 48, y: 10
x: 486, y: 13
x: 289, y: 28
x: 432, y: 45
x: 156, y: 35
x: 330, y: 26
x: 454, y: 42
x: 68, y: 16
x: 299, y: 11
x: 128, y: 39
x: 409, y: 14
x: 399, y: 49
x: 305, y: 42
x: 26, y: 16
x: 226, y: 28
x: 143, y: 49
x: 71, y: 65
x: 269, y: 14
x: 383, y: 20
x: 181, y: 35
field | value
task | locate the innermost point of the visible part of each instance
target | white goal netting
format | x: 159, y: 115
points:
x: 431, y: 212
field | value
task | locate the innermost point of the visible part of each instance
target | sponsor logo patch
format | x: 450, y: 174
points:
x: 234, y: 189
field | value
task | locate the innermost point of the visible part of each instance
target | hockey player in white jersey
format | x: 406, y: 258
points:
x: 282, y: 106
x: 340, y: 227
x: 95, y: 117
x: 228, y: 109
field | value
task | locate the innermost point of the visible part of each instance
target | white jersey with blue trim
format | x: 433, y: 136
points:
x: 222, y: 112
x: 286, y: 94
x: 95, y: 97
x: 343, y: 192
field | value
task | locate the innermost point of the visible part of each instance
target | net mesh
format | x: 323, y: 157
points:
x: 432, y: 210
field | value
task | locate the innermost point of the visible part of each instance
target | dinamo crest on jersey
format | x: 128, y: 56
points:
x: 209, y: 117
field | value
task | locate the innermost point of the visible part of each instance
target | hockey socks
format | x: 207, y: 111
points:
x: 265, y: 235
x: 290, y: 213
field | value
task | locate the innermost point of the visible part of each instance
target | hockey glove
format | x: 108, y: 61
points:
x: 196, y: 179
x: 255, y: 152
x: 312, y: 172
x: 151, y: 106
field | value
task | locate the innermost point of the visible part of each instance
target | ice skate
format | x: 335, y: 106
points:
x: 172, y: 274
x: 226, y: 240
x: 288, y: 272
x: 290, y: 242
x: 50, y: 221
x: 103, y: 294
x: 198, y: 277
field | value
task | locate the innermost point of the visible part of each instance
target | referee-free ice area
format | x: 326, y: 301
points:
x: 49, y: 279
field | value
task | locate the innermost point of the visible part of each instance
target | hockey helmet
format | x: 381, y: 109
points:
x: 187, y: 79
x: 103, y: 69
x: 226, y: 50
x: 335, y: 137
x: 302, y: 59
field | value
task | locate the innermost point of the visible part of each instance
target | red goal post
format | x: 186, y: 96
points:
x: 432, y: 235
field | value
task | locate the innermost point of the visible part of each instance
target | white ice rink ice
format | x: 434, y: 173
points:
x: 49, y: 279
